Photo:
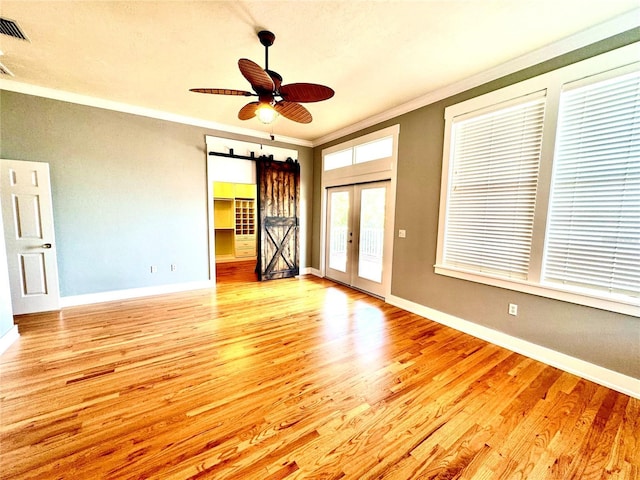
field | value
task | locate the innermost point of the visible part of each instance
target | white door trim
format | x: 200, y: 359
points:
x: 217, y: 174
x: 388, y: 174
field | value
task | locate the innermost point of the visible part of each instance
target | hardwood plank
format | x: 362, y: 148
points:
x: 236, y: 272
x: 291, y: 379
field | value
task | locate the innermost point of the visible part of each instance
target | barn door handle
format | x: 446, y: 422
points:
x: 46, y: 245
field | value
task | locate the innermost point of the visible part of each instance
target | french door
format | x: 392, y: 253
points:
x: 357, y: 252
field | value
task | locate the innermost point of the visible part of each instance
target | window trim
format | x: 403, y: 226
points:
x: 553, y: 83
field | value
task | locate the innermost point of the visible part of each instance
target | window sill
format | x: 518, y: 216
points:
x: 619, y: 306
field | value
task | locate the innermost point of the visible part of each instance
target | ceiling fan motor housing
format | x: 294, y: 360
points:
x: 266, y: 38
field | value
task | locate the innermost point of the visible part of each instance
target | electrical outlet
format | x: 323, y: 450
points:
x: 154, y: 269
x: 173, y: 267
x: 513, y: 309
x: 402, y: 233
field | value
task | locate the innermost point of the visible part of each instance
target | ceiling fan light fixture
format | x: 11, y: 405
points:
x: 266, y: 113
x: 274, y: 98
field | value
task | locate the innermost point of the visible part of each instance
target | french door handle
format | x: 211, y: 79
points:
x: 46, y: 245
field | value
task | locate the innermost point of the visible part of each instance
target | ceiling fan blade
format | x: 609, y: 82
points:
x: 248, y: 111
x: 293, y: 111
x: 259, y: 79
x: 277, y: 79
x: 222, y: 91
x: 305, y: 92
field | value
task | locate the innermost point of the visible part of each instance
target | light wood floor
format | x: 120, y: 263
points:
x: 291, y: 379
x: 236, y: 272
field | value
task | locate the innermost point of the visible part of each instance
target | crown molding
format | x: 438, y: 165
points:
x: 620, y: 24
x: 28, y: 89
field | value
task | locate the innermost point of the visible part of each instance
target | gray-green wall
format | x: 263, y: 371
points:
x: 128, y: 191
x: 603, y: 338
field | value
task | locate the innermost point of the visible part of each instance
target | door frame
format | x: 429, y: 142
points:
x: 238, y: 149
x: 378, y: 170
x: 352, y: 277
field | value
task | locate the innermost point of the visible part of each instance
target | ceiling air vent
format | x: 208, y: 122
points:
x: 5, y: 71
x: 11, y: 28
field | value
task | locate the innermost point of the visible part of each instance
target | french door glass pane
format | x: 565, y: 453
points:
x: 372, y: 207
x: 338, y: 231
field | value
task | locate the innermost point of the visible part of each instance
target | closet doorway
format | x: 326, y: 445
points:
x: 357, y: 236
x: 232, y: 198
x: 235, y: 232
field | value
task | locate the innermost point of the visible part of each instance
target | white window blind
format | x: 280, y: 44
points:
x: 492, y: 192
x: 593, y: 235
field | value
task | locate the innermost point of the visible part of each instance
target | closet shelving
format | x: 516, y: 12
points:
x: 234, y: 207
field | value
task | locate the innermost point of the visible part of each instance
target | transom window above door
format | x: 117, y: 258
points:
x: 365, y: 152
x: 366, y: 155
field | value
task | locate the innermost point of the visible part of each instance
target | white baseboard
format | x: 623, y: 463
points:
x: 8, y: 338
x: 595, y: 373
x: 315, y: 271
x: 90, y: 298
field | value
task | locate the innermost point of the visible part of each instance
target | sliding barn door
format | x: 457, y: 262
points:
x: 278, y: 198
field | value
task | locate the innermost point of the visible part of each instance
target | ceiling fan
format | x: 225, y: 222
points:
x: 273, y: 97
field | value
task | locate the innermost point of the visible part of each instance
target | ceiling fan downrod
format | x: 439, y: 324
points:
x: 266, y: 38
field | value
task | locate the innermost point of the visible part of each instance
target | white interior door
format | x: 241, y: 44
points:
x: 357, y: 245
x: 27, y: 213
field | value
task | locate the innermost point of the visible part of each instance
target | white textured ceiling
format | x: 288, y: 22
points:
x: 376, y: 55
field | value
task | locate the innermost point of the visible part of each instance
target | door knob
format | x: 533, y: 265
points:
x: 46, y: 245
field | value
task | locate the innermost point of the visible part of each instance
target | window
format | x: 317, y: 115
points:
x: 366, y: 152
x: 593, y: 238
x: 492, y: 193
x: 541, y: 186
x: 340, y: 159
x: 373, y: 152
